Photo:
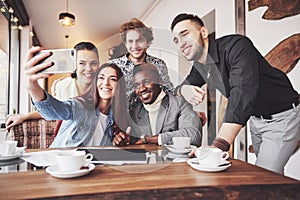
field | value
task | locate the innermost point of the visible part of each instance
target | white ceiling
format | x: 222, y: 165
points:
x: 96, y: 20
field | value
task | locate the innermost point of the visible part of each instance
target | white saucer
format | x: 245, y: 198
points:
x: 54, y: 171
x: 175, y: 150
x: 19, y: 152
x: 177, y: 157
x: 10, y: 157
x: 193, y: 162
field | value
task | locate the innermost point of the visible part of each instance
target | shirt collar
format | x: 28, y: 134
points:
x: 213, y: 54
x: 125, y: 57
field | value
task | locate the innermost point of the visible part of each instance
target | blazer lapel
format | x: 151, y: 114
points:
x: 144, y: 123
x: 162, y: 113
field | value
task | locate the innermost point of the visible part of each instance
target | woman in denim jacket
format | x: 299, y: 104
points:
x: 90, y: 119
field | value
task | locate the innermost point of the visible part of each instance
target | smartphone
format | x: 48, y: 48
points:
x: 64, y: 61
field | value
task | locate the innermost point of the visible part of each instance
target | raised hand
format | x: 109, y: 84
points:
x: 31, y: 68
x: 121, y: 138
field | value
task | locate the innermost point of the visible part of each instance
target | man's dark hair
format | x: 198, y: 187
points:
x: 148, y: 67
x: 185, y: 16
x: 86, y: 46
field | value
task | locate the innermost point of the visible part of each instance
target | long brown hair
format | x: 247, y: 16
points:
x: 91, y: 98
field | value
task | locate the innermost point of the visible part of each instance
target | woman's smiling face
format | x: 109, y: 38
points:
x: 87, y: 65
x: 107, y: 83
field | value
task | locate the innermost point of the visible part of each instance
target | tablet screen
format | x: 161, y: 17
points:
x: 117, y: 155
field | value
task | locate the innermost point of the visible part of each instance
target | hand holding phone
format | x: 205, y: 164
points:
x: 63, y: 61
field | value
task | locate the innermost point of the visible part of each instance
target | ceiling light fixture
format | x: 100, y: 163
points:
x: 66, y: 18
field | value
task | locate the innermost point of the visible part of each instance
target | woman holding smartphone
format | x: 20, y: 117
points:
x: 87, y: 62
x: 90, y: 119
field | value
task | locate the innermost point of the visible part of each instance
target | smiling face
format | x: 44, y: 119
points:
x: 107, y: 83
x: 147, y: 86
x: 87, y: 63
x: 136, y: 45
x: 188, y: 38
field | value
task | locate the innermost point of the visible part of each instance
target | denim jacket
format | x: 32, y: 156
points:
x: 79, y: 123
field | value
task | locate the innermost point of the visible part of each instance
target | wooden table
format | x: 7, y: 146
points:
x: 153, y: 181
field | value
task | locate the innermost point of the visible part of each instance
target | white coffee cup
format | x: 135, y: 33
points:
x: 181, y: 142
x: 211, y: 156
x: 8, y: 148
x: 72, y: 160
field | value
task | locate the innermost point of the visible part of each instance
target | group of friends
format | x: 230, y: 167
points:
x: 131, y: 100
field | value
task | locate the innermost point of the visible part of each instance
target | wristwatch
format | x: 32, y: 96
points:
x: 143, y: 138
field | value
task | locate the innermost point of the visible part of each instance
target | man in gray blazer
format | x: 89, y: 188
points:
x: 159, y: 116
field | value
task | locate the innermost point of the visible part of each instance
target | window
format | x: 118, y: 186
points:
x: 3, y: 66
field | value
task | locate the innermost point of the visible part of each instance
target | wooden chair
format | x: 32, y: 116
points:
x: 34, y: 133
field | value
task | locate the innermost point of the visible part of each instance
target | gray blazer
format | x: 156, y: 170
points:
x: 175, y: 118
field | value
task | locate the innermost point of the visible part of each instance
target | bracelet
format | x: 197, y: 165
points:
x: 221, y: 144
